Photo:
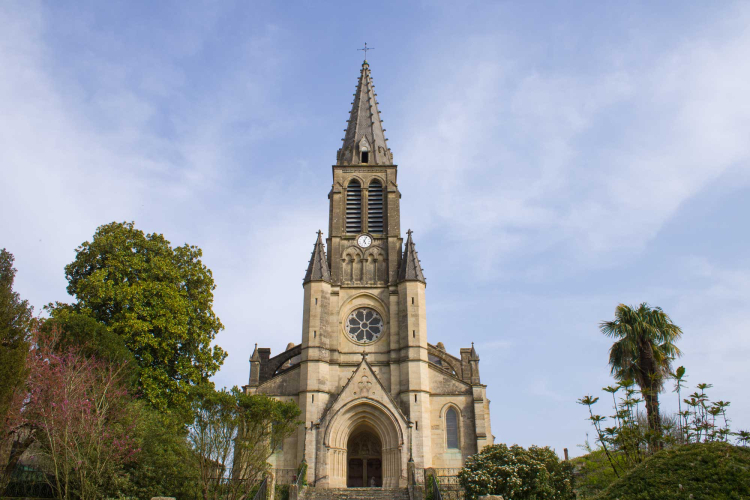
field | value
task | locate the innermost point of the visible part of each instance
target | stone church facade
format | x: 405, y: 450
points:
x: 374, y: 393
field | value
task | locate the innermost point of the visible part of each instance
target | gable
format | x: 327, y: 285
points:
x: 364, y: 385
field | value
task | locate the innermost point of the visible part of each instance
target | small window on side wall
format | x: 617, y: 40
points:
x: 451, y: 428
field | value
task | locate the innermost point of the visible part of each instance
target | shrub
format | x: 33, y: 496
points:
x: 592, y: 473
x: 429, y: 489
x: 533, y: 474
x: 717, y: 470
x: 282, y: 492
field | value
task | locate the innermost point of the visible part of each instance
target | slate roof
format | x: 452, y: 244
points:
x: 364, y: 122
x: 411, y: 269
x: 318, y: 269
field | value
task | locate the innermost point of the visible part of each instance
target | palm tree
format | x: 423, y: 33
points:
x: 643, y: 351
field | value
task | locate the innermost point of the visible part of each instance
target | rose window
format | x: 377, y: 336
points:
x: 364, y: 325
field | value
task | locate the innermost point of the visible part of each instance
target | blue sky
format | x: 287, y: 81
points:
x: 555, y: 159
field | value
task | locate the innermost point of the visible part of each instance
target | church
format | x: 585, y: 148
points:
x: 375, y: 395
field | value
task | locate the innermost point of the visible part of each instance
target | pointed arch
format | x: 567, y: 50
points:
x: 451, y: 428
x: 364, y: 150
x: 374, y: 416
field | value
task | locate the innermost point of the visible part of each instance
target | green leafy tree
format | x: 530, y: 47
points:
x: 158, y: 299
x: 72, y: 329
x: 165, y: 465
x: 234, y: 435
x: 16, y: 320
x: 643, y: 351
x: 513, y: 472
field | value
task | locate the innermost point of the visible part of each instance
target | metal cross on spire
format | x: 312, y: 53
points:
x: 366, y: 49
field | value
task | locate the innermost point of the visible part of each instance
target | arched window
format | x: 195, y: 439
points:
x: 375, y: 207
x: 354, y: 207
x: 451, y: 428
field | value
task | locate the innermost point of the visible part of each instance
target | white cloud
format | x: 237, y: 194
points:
x: 592, y: 163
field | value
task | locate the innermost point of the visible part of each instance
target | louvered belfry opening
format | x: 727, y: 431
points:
x: 375, y: 207
x: 354, y: 207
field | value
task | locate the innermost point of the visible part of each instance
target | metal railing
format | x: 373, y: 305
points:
x: 435, y: 489
x: 26, y: 488
x: 262, y: 492
x: 301, y: 473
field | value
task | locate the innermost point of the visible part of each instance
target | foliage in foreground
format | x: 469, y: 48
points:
x: 99, y: 398
x: 15, y: 321
x: 716, y: 471
x: 627, y: 441
x: 165, y: 465
x: 236, y: 432
x: 533, y: 474
x: 592, y: 473
x: 82, y: 418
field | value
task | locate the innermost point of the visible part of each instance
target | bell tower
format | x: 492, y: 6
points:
x: 364, y: 198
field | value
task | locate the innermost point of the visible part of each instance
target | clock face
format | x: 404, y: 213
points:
x: 364, y: 241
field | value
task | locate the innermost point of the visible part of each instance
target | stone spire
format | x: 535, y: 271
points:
x: 254, y: 368
x: 364, y: 132
x: 474, y: 355
x: 411, y: 269
x: 474, y: 366
x: 318, y: 269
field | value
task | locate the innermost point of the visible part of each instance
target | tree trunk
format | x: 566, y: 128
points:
x: 12, y: 447
x: 654, y: 420
x: 650, y: 384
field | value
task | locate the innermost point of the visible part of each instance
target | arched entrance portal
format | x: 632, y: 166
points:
x: 364, y: 459
x: 364, y: 440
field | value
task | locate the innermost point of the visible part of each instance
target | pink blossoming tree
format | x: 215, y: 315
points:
x: 82, y: 416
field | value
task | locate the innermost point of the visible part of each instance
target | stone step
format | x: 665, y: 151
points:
x: 356, y: 494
